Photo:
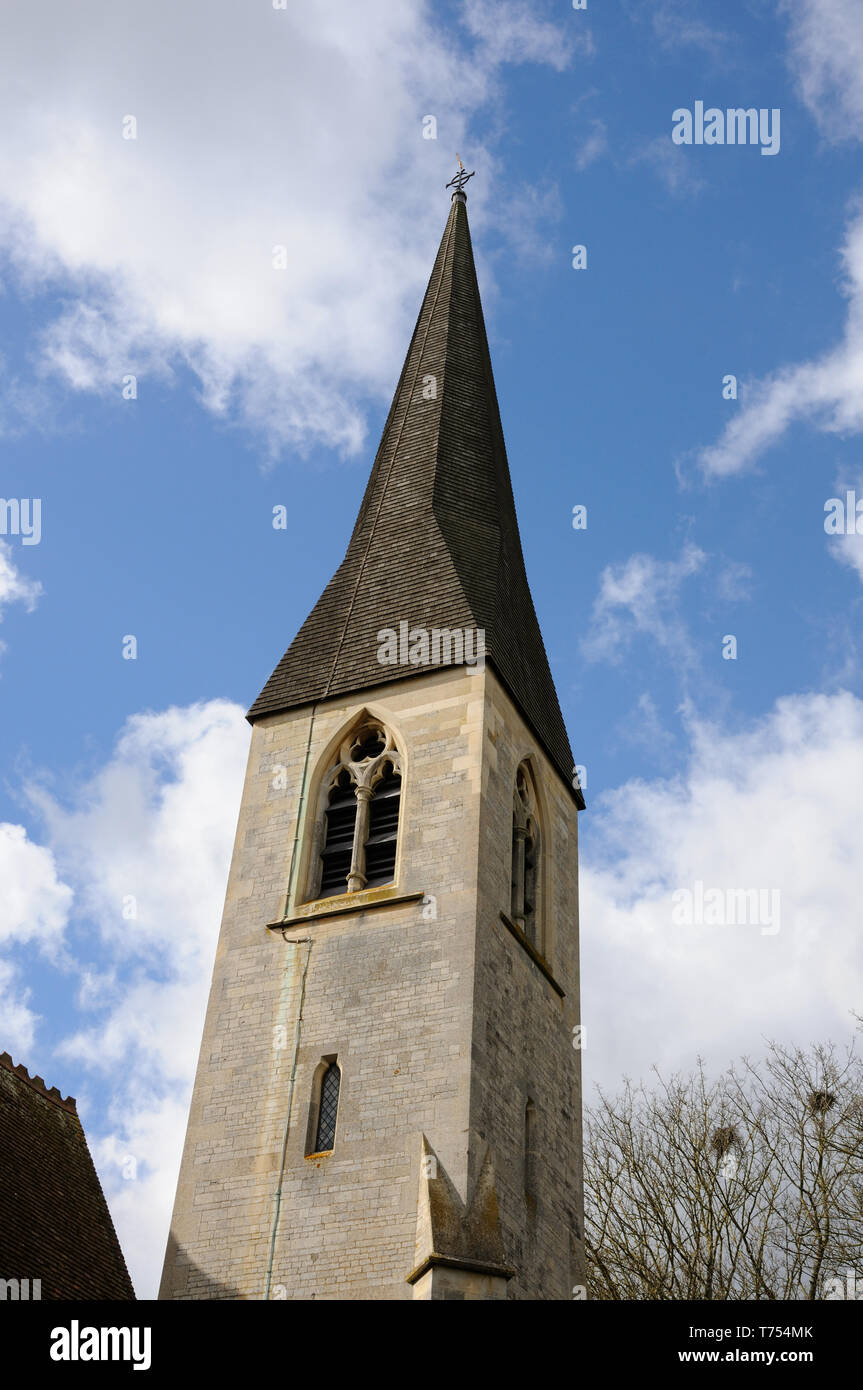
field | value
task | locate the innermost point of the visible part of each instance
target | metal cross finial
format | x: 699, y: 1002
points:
x: 461, y: 177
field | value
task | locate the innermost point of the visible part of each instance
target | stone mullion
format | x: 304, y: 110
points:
x: 357, y: 876
x: 520, y: 833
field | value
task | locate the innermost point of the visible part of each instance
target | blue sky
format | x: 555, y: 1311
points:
x: 258, y: 387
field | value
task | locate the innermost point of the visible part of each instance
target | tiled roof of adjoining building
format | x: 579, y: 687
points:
x: 55, y: 1226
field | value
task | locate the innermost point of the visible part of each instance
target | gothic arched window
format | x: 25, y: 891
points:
x: 359, y: 835
x: 525, y: 877
x: 328, y: 1109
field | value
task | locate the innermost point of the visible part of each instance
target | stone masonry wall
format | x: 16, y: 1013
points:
x: 523, y: 1031
x: 441, y: 1022
x: 389, y: 991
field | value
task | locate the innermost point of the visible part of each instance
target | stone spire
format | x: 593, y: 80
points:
x: 436, y: 543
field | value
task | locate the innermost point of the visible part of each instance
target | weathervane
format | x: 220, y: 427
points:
x: 461, y: 177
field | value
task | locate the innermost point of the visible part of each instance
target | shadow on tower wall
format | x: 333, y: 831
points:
x: 182, y: 1279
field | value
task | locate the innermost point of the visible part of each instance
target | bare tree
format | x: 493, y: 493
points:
x: 749, y: 1186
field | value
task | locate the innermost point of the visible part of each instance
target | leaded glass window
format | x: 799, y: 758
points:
x: 329, y: 1109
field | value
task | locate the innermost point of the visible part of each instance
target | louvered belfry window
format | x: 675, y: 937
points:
x: 331, y: 1081
x: 359, y: 836
x: 338, y: 848
x: 383, y: 829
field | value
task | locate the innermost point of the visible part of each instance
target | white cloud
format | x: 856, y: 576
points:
x: 156, y: 824
x: 827, y: 391
x: 34, y: 909
x: 593, y: 145
x: 34, y: 903
x: 643, y: 728
x: 511, y: 31
x: 641, y: 596
x: 158, y: 801
x: 734, y: 582
x: 25, y: 405
x: 775, y: 807
x: 530, y: 210
x: 677, y: 25
x: 257, y: 128
x: 849, y: 550
x: 147, y: 1128
x: 14, y: 586
x: 670, y: 163
x: 826, y: 55
x: 17, y: 1020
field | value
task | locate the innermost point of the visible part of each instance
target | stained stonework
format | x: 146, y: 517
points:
x: 444, y: 1024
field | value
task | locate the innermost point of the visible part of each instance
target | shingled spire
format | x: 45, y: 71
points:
x: 436, y: 542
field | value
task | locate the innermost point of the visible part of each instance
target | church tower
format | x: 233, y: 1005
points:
x: 388, y: 1099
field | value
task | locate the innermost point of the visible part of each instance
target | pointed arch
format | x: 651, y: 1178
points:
x: 324, y: 1108
x: 328, y: 1109
x: 527, y: 862
x: 353, y: 840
